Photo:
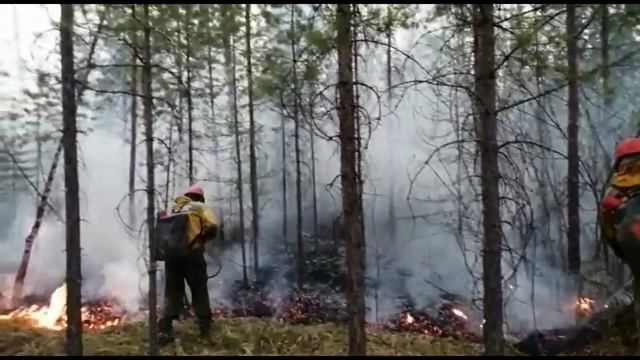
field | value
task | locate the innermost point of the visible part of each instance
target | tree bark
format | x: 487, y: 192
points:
x: 253, y: 168
x: 313, y: 167
x: 21, y: 274
x: 212, y: 105
x: 188, y: 91
x: 485, y: 89
x: 357, y: 120
x: 283, y: 140
x: 348, y: 174
x: 236, y: 127
x: 296, y: 121
x: 72, y: 200
x: 134, y: 121
x: 151, y: 215
x: 573, y: 171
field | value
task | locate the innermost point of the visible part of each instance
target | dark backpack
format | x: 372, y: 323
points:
x: 170, y: 236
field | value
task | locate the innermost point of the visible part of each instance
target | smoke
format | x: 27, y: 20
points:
x: 111, y: 260
x: 425, y: 255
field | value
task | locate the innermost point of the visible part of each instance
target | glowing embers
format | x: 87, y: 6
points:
x: 95, y: 316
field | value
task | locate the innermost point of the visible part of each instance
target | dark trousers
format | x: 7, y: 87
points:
x: 193, y: 269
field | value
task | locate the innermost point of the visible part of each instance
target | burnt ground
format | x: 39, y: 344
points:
x: 611, y: 332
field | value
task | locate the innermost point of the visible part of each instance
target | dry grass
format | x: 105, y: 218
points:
x: 230, y: 337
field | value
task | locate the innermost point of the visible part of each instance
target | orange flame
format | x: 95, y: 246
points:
x: 584, y: 307
x: 53, y: 316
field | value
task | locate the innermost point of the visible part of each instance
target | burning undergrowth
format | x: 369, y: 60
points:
x: 321, y: 299
x: 96, y: 315
x: 442, y: 319
x: 274, y: 292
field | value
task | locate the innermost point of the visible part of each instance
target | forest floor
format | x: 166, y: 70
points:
x: 231, y: 337
x: 252, y: 336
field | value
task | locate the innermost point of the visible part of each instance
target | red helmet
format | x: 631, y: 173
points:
x: 195, y: 189
x: 627, y: 147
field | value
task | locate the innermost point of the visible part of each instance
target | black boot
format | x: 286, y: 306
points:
x: 205, y: 329
x: 165, y: 339
x: 165, y: 332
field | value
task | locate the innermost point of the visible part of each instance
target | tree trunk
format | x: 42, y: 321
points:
x: 485, y: 88
x: 348, y: 175
x: 134, y: 121
x: 253, y: 169
x: 236, y: 126
x: 151, y: 215
x: 21, y: 274
x: 188, y: 91
x: 72, y: 200
x: 283, y: 140
x: 212, y: 105
x: 180, y: 119
x: 313, y: 167
x: 296, y: 122
x: 573, y: 173
x: 357, y: 120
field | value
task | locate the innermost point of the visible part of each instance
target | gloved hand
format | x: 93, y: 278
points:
x: 210, y: 233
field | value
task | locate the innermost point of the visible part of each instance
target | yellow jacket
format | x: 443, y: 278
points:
x: 623, y: 182
x: 202, y: 223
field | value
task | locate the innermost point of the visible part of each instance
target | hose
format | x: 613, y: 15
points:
x: 216, y: 273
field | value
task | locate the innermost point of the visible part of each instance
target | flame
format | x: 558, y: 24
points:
x: 584, y: 307
x: 410, y: 319
x: 53, y: 316
x: 459, y: 314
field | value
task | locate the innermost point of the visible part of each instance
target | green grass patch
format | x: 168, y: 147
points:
x: 230, y: 337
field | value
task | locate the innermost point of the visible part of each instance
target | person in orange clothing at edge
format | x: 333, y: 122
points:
x: 618, y: 210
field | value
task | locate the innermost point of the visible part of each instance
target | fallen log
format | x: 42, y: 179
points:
x: 565, y: 340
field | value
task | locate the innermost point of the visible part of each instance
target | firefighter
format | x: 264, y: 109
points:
x: 623, y: 185
x: 192, y: 267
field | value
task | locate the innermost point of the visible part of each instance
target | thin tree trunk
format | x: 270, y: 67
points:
x: 573, y: 173
x: 253, y: 169
x: 236, y: 127
x: 357, y: 120
x: 151, y: 215
x: 212, y: 105
x: 283, y: 140
x: 134, y: 121
x: 21, y: 274
x: 180, y: 120
x: 485, y: 89
x: 604, y: 53
x: 170, y: 164
x: 188, y: 91
x: 72, y: 200
x: 349, y: 177
x: 300, y: 244
x: 313, y: 168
